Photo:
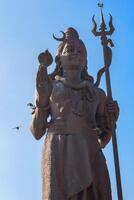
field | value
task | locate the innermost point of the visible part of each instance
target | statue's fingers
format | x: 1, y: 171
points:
x: 38, y: 77
x: 113, y: 105
x: 112, y: 108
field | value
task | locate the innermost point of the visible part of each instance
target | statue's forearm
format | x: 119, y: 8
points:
x: 39, y: 119
x: 39, y: 123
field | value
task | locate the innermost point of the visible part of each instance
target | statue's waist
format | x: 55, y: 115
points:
x: 71, y: 127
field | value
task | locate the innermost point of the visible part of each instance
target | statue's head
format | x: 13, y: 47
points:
x: 71, y: 53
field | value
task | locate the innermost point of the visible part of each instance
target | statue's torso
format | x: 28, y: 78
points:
x: 73, y: 110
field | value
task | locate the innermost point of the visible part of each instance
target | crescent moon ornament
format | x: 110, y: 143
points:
x: 60, y: 39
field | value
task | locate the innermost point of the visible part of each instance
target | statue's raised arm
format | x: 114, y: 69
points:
x: 43, y: 91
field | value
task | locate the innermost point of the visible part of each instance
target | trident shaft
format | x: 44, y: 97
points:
x: 107, y: 52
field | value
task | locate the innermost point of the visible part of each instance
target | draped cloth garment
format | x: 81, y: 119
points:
x: 72, y: 164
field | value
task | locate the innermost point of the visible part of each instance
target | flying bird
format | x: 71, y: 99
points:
x: 17, y: 127
x: 31, y: 106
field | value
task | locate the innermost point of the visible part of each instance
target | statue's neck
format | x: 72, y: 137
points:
x: 72, y: 76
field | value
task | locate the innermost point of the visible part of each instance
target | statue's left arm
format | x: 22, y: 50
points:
x: 106, y: 116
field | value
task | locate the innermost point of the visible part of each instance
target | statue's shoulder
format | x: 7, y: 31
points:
x: 100, y: 91
x: 101, y: 94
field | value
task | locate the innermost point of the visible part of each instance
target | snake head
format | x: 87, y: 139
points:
x: 110, y: 42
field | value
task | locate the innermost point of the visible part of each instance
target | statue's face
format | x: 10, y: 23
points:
x: 73, y: 55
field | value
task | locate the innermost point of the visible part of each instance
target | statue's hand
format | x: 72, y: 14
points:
x: 43, y: 84
x: 113, y: 110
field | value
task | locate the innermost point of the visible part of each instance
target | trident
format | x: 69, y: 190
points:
x: 107, y: 52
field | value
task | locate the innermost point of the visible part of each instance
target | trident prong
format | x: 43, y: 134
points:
x: 94, y: 29
x: 112, y: 29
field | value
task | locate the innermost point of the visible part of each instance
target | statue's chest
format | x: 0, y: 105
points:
x: 76, y: 100
x: 59, y: 93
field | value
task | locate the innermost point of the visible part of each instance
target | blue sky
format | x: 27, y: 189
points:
x: 26, y: 29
